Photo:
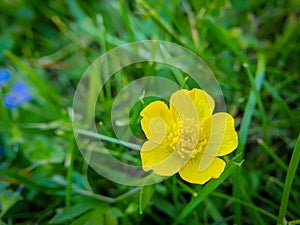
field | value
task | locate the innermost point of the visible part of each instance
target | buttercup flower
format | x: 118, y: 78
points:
x: 19, y: 94
x: 186, y: 137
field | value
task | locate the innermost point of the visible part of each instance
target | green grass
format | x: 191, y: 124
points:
x: 251, y: 47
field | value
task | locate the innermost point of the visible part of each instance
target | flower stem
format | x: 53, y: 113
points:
x: 70, y: 173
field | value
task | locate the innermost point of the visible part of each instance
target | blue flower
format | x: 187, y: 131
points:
x: 4, y: 76
x: 19, y: 86
x: 19, y: 91
x: 19, y: 94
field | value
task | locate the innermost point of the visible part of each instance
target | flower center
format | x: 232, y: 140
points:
x: 187, y: 138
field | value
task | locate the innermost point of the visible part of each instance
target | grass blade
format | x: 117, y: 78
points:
x: 146, y: 194
x: 223, y: 37
x: 288, y: 182
x: 70, y: 172
x: 206, y: 190
x: 261, y: 67
x: 271, y: 153
x: 243, y: 133
x: 250, y: 206
x: 249, y: 110
x: 283, y: 106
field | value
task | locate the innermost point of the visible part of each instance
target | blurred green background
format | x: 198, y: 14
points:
x: 253, y: 49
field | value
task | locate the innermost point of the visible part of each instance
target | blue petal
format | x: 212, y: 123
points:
x: 4, y: 76
x: 14, y: 99
x: 19, y: 86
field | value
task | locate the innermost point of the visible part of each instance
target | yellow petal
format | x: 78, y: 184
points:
x: 182, y: 106
x: 156, y: 117
x: 221, y: 137
x: 163, y: 160
x: 203, y: 102
x: 191, y: 173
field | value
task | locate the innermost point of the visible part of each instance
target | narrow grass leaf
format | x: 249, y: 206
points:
x: 70, y: 213
x: 249, y: 110
x: 159, y: 20
x: 261, y: 68
x: 77, y: 12
x: 243, y: 136
x: 223, y: 37
x: 178, y: 76
x: 146, y: 194
x: 245, y: 203
x: 164, y: 206
x: 288, y: 182
x: 213, y: 211
x: 271, y: 153
x: 282, y: 105
x: 206, y: 190
x: 126, y: 19
x: 21, y: 179
x: 102, y: 41
x: 254, y: 214
x: 70, y: 172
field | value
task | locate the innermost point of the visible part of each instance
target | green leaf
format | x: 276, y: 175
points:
x: 2, y: 223
x: 164, y: 206
x: 289, y: 181
x: 6, y: 43
x: 23, y: 179
x: 70, y: 213
x: 99, y: 216
x: 87, y: 211
x: 239, y: 5
x: 7, y: 199
x: 145, y: 196
x: 84, y: 219
x: 110, y: 218
x: 223, y: 36
x: 45, y: 150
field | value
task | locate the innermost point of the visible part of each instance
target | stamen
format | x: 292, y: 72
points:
x: 187, y: 138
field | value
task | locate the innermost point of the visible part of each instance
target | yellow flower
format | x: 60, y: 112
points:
x: 186, y: 137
